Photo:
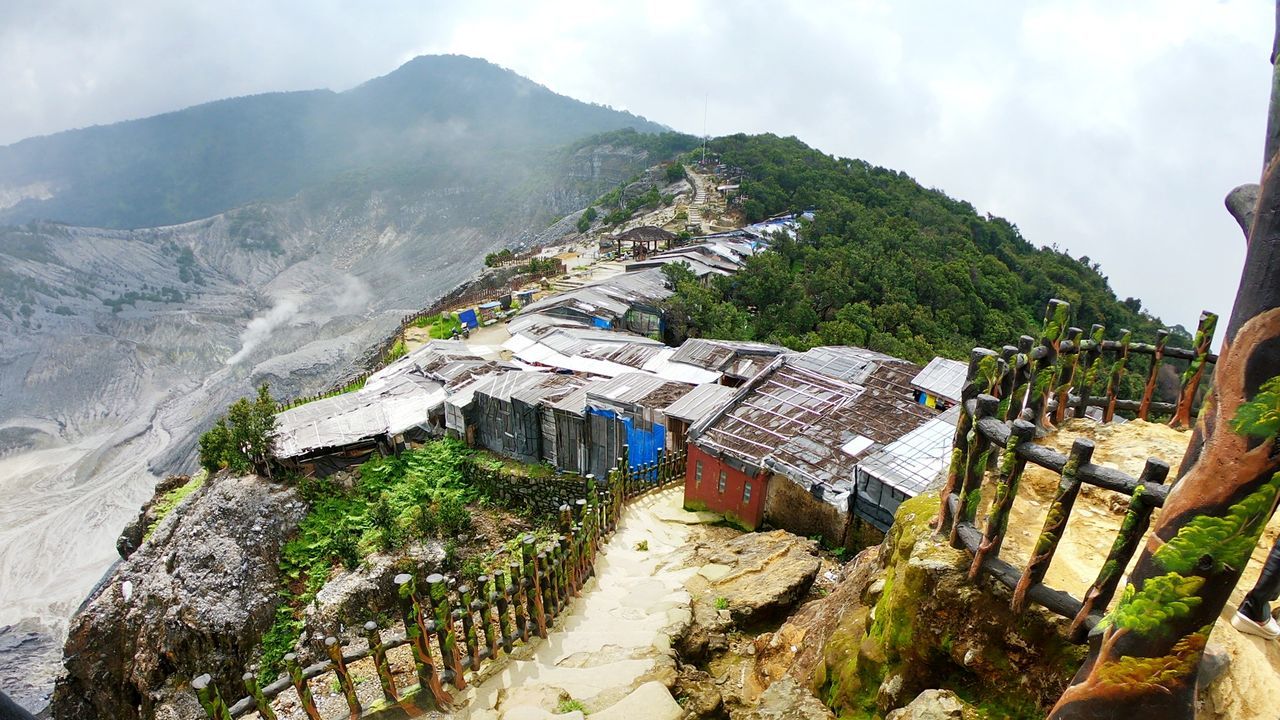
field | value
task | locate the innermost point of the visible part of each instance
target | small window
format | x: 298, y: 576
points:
x: 746, y: 492
x: 697, y: 473
x: 724, y: 479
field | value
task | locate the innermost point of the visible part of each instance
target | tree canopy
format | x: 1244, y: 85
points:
x: 885, y: 264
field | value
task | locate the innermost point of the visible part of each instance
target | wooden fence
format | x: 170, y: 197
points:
x: 1007, y: 399
x: 452, y: 627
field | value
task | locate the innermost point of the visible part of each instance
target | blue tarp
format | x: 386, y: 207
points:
x: 468, y: 319
x: 643, y: 446
x: 602, y: 323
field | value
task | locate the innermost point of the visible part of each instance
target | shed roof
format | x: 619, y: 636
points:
x: 700, y: 402
x: 641, y: 389
x: 942, y: 377
x: 848, y: 363
x: 724, y: 355
x: 647, y: 233
x: 910, y: 463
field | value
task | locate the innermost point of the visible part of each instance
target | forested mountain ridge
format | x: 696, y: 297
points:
x: 431, y: 115
x: 888, y: 264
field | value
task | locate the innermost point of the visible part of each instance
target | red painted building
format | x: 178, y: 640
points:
x: 715, y: 484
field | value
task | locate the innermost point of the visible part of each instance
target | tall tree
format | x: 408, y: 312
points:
x: 1146, y: 651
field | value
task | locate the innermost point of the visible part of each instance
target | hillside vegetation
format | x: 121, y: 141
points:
x: 886, y: 264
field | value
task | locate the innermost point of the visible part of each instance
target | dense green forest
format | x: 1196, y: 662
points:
x: 886, y: 264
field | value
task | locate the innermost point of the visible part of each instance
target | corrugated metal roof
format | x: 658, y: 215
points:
x: 640, y: 389
x: 721, y: 354
x: 700, y: 402
x: 912, y: 462
x: 850, y: 364
x: 943, y: 378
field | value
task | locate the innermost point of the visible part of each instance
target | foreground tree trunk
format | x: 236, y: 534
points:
x: 1146, y: 652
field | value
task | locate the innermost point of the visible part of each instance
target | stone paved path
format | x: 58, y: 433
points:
x: 611, y: 651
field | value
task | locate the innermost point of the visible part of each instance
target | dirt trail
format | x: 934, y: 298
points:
x: 611, y: 651
x: 1252, y: 682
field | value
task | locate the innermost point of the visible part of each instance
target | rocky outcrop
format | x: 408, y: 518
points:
x: 934, y: 705
x: 136, y: 531
x: 906, y: 619
x: 195, y: 598
x: 741, y: 582
x: 786, y: 700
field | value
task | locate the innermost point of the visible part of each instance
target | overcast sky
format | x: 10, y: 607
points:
x: 1112, y: 130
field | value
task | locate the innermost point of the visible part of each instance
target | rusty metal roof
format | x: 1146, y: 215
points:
x: 639, y: 389
x: 700, y: 402
x: 722, y: 355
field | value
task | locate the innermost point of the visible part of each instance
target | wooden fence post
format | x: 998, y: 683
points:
x: 1055, y: 523
x: 463, y: 612
x: 501, y: 594
x: 1153, y: 373
x: 1011, y: 467
x: 334, y: 650
x: 418, y: 629
x: 1195, y: 371
x: 533, y: 588
x: 446, y: 633
x: 1022, y: 369
x: 1117, y: 376
x: 260, y: 702
x: 1132, y: 529
x: 481, y: 607
x: 975, y: 465
x: 1066, y: 376
x: 300, y: 686
x: 379, y: 652
x: 520, y: 599
x: 973, y: 386
x: 210, y: 699
x: 1044, y: 369
x: 1088, y: 372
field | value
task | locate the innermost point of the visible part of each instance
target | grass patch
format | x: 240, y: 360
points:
x: 570, y: 705
x: 642, y: 546
x: 397, y: 351
x: 167, y: 502
x: 442, y: 326
x: 721, y: 603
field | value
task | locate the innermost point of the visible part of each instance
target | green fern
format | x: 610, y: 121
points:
x: 1162, y: 599
x: 1260, y: 417
x: 1225, y: 541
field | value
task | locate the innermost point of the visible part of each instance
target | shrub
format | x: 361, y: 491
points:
x: 454, y: 516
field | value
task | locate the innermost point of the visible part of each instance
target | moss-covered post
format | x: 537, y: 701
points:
x: 1055, y: 523
x: 1091, y: 349
x: 1144, y: 658
x: 1045, y: 368
x: 378, y: 652
x: 446, y: 633
x: 520, y: 600
x: 1195, y: 370
x: 1117, y: 376
x: 260, y: 702
x: 981, y: 372
x: 210, y: 699
x: 333, y: 649
x: 1022, y: 368
x: 481, y: 608
x: 1067, y: 363
x: 300, y: 686
x: 418, y: 627
x: 1132, y: 529
x: 471, y: 660
x: 501, y: 597
x: 970, y: 491
x: 532, y: 585
x: 1153, y: 374
x: 1011, y: 467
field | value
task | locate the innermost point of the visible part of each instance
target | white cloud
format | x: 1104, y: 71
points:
x: 1110, y: 129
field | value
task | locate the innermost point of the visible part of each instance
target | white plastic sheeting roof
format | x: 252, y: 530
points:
x: 912, y: 461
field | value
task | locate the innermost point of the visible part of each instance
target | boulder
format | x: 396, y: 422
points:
x: 767, y: 573
x: 195, y: 598
x: 934, y: 705
x: 698, y: 694
x: 135, y: 532
x: 786, y: 700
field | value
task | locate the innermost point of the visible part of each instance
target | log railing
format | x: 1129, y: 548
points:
x: 1009, y: 398
x: 452, y: 627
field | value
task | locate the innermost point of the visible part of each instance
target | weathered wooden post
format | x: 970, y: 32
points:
x: 1022, y: 369
x: 260, y: 702
x: 380, y: 665
x: 981, y: 372
x: 970, y: 491
x: 1011, y: 467
x: 446, y: 633
x: 1195, y: 371
x: 533, y: 587
x: 463, y: 611
x: 417, y: 629
x: 1045, y: 367
x: 501, y: 594
x: 1153, y: 374
x: 1091, y: 348
x: 334, y: 650
x: 520, y: 600
x: 1117, y: 376
x: 210, y: 699
x: 481, y: 608
x: 1055, y: 523
x: 1067, y: 363
x: 300, y: 686
x: 1132, y: 530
